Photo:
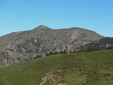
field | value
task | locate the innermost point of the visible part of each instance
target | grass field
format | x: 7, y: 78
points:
x: 87, y: 68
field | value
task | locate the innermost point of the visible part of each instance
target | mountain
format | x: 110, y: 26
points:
x: 103, y: 43
x: 87, y: 68
x: 24, y: 45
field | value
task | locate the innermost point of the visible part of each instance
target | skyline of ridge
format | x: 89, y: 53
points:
x: 20, y: 15
x: 42, y: 26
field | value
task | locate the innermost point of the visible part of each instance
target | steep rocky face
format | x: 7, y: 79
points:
x: 20, y: 46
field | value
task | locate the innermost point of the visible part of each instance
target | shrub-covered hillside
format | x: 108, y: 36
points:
x: 19, y: 46
x: 87, y: 68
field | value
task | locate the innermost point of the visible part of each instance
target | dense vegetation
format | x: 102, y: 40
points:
x: 87, y: 68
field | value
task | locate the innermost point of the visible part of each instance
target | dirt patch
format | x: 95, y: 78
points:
x: 48, y: 76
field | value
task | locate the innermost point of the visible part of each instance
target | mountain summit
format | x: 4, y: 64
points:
x: 41, y: 27
x: 19, y: 46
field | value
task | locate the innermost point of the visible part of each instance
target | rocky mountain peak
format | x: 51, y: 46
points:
x: 42, y: 40
x: 41, y: 27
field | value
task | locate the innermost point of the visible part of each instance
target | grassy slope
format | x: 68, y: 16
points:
x: 93, y: 68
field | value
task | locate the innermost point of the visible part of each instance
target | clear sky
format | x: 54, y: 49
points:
x: 19, y: 15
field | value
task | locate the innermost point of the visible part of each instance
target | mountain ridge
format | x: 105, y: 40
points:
x: 19, y: 46
x: 103, y: 43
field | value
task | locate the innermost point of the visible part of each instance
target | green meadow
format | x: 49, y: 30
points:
x: 85, y: 68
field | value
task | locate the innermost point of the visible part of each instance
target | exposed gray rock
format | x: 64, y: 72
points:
x: 20, y: 46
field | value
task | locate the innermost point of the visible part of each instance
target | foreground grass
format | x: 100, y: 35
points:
x: 88, y: 68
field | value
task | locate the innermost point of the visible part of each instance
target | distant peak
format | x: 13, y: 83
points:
x: 42, y: 27
x: 76, y: 28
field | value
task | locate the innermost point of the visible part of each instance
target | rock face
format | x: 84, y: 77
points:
x: 20, y: 46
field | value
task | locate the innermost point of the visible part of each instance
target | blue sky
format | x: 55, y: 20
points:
x: 19, y: 15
